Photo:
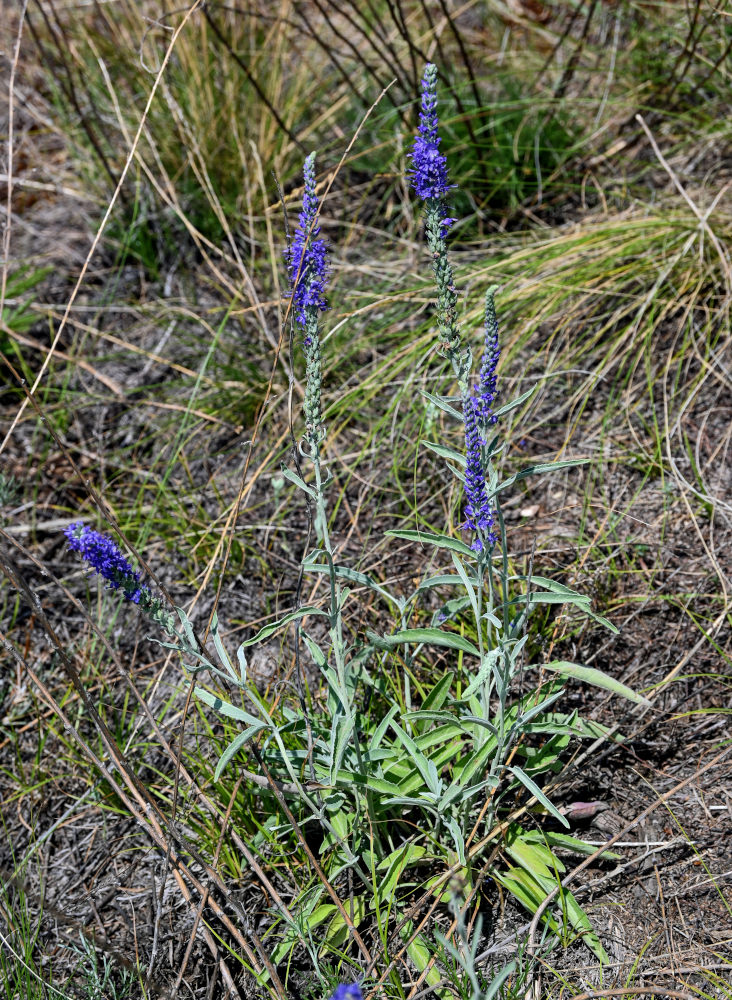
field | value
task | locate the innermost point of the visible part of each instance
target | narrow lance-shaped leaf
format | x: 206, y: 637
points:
x: 538, y: 794
x: 444, y: 404
x: 310, y: 566
x: 280, y: 623
x: 535, y: 470
x: 236, y: 745
x: 428, y: 538
x: 225, y: 708
x: 300, y: 483
x: 590, y: 675
x: 433, y: 636
x: 445, y: 452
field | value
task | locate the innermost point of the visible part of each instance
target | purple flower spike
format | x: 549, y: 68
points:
x: 478, y: 513
x: 307, y: 263
x: 104, y: 557
x: 487, y: 383
x: 429, y: 176
x: 352, y: 992
x: 307, y: 255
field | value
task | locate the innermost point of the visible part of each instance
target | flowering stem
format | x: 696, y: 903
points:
x: 309, y: 270
x: 460, y: 356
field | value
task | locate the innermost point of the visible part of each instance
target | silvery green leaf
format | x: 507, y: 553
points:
x: 192, y: 647
x: 517, y: 646
x: 459, y: 840
x: 382, y: 727
x: 425, y: 800
x: 428, y: 538
x: 378, y: 642
x: 395, y: 865
x: 552, y: 585
x: 533, y: 470
x: 478, y: 720
x: 378, y: 756
x: 435, y: 781
x: 507, y: 407
x: 449, y: 609
x: 475, y: 762
x: 440, y: 734
x: 334, y: 684
x: 425, y: 767
x: 314, y: 650
x: 300, y: 483
x: 381, y: 785
x: 220, y: 649
x: 433, y: 636
x: 595, y: 677
x: 538, y: 794
x: 495, y: 621
x: 224, y: 708
x: 538, y: 597
x: 186, y: 651
x: 497, y: 982
x: 444, y: 452
x: 347, y: 574
x: 420, y: 954
x: 234, y: 746
x: 441, y: 580
x: 394, y: 873
x: 573, y: 726
x: 446, y: 800
x: 268, y: 630
x: 438, y: 695
x: 484, y: 670
x: 457, y: 794
x: 425, y: 715
x: 443, y: 402
x: 342, y: 729
x: 561, y: 594
x: 241, y: 657
x: 466, y: 583
x: 529, y: 714
x: 555, y: 839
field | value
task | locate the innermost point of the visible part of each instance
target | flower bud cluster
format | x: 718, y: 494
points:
x: 487, y: 380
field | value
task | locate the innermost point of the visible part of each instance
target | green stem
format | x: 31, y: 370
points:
x: 336, y: 616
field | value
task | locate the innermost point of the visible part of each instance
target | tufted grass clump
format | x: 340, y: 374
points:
x: 405, y: 793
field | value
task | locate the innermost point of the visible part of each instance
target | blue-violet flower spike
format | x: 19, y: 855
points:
x: 429, y: 174
x: 307, y: 255
x: 352, y: 992
x: 105, y: 558
x: 478, y: 513
x: 487, y: 383
x: 308, y: 266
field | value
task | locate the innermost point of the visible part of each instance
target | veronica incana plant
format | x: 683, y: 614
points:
x: 404, y: 792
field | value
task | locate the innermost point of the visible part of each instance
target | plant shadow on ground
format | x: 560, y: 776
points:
x: 613, y: 296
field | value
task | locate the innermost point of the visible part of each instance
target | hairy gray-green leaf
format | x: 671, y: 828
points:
x: 538, y: 794
x: 428, y: 538
x: 433, y: 636
x: 590, y: 675
x: 273, y: 627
